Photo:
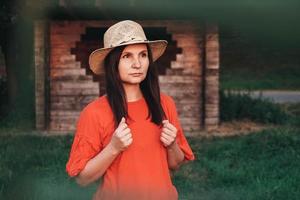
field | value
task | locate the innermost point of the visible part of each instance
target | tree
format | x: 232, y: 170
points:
x: 15, y: 42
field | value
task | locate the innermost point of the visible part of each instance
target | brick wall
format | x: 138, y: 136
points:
x: 72, y: 85
x: 41, y: 47
x: 70, y: 88
x: 211, y: 79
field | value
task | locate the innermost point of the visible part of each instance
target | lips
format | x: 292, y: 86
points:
x: 136, y: 74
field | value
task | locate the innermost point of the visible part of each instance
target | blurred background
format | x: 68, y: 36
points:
x: 258, y: 82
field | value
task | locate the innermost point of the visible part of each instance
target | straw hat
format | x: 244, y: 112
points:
x: 124, y: 33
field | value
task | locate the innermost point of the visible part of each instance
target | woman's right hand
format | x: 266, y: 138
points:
x: 97, y: 166
x: 122, y: 137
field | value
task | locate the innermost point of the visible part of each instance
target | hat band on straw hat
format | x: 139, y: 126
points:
x: 132, y: 39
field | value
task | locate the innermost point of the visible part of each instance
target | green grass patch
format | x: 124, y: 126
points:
x: 239, y: 106
x: 263, y: 165
x: 33, y: 167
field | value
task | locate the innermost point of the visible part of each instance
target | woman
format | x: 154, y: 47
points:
x: 131, y: 136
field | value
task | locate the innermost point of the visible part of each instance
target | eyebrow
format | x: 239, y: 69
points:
x: 139, y: 52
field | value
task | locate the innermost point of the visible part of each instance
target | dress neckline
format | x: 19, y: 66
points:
x: 136, y: 101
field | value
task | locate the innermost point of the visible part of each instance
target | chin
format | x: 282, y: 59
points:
x: 134, y: 82
x: 137, y: 79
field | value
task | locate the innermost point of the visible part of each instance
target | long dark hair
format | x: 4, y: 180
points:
x: 116, y: 93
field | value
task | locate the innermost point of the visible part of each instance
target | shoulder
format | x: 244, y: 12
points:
x: 94, y: 118
x: 97, y: 105
x: 166, y: 100
x: 97, y: 108
x: 168, y: 105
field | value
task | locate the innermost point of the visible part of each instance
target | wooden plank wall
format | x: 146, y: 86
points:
x: 70, y: 88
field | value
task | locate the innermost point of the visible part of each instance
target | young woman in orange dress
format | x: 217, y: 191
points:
x: 131, y: 137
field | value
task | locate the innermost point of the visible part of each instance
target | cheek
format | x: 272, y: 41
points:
x: 147, y: 61
x: 146, y: 65
x: 122, y: 69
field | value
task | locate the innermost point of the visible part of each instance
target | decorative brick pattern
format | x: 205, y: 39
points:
x: 68, y: 80
x: 72, y: 86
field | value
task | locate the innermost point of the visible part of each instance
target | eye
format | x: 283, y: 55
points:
x: 144, y: 55
x: 125, y: 56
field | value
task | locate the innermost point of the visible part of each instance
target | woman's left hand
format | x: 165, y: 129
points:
x: 168, y: 134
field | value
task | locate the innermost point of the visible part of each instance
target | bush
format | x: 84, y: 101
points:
x: 293, y: 109
x: 238, y: 106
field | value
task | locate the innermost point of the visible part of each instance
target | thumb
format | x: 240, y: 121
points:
x: 165, y: 121
x: 122, y: 121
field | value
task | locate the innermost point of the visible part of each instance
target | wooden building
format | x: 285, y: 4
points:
x: 188, y: 71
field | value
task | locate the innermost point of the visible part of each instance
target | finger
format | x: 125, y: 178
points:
x: 169, y: 132
x: 122, y: 127
x: 165, y: 121
x: 170, y: 126
x: 167, y: 137
x: 128, y: 142
x: 127, y: 137
x: 122, y: 121
x: 164, y: 141
x: 124, y: 132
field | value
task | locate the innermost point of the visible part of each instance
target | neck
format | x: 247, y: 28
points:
x: 133, y: 92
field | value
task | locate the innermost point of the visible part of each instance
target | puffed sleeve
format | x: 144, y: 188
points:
x: 180, y: 139
x: 86, y: 143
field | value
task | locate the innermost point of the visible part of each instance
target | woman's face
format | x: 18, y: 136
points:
x: 133, y: 64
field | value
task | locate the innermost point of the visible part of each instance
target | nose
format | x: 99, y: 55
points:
x: 136, y: 63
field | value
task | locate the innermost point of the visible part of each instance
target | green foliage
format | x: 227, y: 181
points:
x: 33, y: 167
x: 263, y: 165
x: 293, y: 109
x: 239, y: 106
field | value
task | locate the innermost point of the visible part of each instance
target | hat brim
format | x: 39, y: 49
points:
x: 96, y: 58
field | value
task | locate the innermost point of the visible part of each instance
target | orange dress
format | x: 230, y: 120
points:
x: 139, y: 172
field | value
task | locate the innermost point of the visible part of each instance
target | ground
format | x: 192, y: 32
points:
x: 236, y: 128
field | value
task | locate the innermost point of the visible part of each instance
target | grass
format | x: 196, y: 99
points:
x: 263, y: 165
x: 32, y: 167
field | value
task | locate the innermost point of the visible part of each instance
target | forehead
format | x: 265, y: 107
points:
x: 135, y: 48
